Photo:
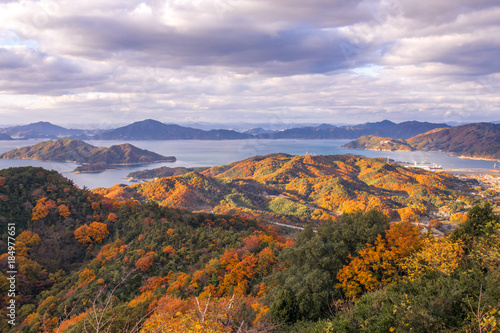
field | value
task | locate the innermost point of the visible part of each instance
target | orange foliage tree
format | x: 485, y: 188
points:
x: 145, y: 263
x: 89, y: 235
x: 42, y: 208
x: 64, y: 210
x: 112, y: 217
x: 379, y: 264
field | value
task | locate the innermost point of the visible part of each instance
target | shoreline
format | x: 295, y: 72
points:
x: 432, y: 151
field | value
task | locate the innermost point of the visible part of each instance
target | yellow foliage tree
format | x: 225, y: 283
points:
x: 379, y: 264
x: 439, y: 254
x: 87, y: 275
x: 29, y: 238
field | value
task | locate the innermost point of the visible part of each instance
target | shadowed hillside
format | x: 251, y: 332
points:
x: 480, y: 140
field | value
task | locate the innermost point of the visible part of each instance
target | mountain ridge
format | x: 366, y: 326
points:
x: 312, y: 187
x: 384, y: 128
x: 478, y: 140
x: 41, y: 130
x: 150, y: 129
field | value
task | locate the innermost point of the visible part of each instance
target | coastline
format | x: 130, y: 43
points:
x: 435, y: 151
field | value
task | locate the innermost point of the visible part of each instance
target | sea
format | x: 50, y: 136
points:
x: 196, y: 153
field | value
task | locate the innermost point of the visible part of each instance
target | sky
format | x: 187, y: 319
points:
x: 223, y: 61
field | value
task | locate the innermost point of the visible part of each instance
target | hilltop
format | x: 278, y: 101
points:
x: 71, y: 150
x: 378, y: 143
x: 302, y: 187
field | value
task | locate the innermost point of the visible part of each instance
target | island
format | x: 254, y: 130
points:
x: 161, y: 172
x: 94, y: 168
x: 5, y: 137
x: 94, y: 159
x: 371, y: 142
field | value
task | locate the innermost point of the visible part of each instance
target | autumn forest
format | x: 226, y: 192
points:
x: 276, y: 243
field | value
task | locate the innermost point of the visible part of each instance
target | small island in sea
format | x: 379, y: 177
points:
x: 161, y: 172
x: 94, y: 168
x: 371, y: 142
x: 94, y: 159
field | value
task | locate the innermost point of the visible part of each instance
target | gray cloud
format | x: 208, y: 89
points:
x: 247, y: 59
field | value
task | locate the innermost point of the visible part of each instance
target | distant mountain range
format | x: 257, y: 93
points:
x: 384, y: 128
x: 154, y: 130
x: 481, y: 140
x: 71, y: 150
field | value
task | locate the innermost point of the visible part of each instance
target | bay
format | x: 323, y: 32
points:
x: 191, y: 153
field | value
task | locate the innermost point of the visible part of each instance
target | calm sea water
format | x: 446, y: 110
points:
x: 190, y: 153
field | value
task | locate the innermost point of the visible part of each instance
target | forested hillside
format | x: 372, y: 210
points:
x: 480, y: 140
x: 87, y: 263
x: 303, y: 188
x: 74, y: 247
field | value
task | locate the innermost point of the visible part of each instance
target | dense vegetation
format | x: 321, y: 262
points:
x: 301, y: 189
x: 62, y: 150
x: 371, y: 142
x: 88, y: 263
x: 73, y: 245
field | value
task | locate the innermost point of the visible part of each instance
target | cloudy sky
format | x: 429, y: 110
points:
x: 280, y: 61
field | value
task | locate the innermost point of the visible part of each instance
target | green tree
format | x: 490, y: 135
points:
x: 481, y: 221
x: 315, y: 259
